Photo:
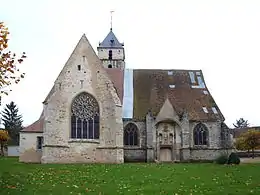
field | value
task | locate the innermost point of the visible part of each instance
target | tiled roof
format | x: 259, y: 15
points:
x: 117, y: 77
x: 111, y: 41
x: 36, y: 127
x: 185, y: 89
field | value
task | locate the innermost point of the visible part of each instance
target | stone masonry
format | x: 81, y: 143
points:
x: 171, y: 113
x: 90, y: 78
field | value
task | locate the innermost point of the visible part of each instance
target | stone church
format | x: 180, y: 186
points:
x: 98, y: 111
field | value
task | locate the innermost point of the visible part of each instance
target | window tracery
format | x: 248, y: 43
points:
x: 85, y: 117
x: 131, y: 135
x: 200, y: 134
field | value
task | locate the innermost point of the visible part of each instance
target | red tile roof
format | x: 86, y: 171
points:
x: 117, y: 77
x: 36, y: 127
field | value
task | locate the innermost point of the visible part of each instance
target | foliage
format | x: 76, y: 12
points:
x: 128, y: 179
x: 233, y: 159
x: 222, y: 159
x: 249, y: 140
x: 241, y: 123
x: 240, y: 144
x: 4, y: 137
x: 9, y: 72
x: 12, y: 121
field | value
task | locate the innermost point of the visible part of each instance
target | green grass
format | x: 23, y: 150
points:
x: 181, y: 179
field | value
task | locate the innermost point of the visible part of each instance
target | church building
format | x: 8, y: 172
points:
x: 98, y: 111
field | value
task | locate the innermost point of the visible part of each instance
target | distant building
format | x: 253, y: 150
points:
x: 99, y: 111
x: 236, y: 132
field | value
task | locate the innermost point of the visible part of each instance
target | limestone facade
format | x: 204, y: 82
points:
x: 168, y: 120
x: 170, y: 143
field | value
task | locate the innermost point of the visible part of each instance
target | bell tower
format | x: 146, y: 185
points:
x: 111, y: 52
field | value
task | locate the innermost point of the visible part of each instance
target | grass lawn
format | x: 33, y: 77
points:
x: 181, y: 179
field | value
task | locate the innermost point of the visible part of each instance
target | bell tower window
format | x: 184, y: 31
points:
x: 110, y: 54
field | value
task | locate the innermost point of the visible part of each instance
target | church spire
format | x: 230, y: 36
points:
x: 111, y: 40
x: 110, y: 51
x: 111, y: 20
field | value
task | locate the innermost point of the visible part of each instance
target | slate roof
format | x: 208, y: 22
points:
x: 111, y: 41
x: 152, y: 87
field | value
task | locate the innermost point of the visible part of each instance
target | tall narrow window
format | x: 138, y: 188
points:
x: 200, y: 134
x: 39, y: 142
x: 110, y: 55
x: 85, y: 117
x: 131, y: 135
x: 79, y: 67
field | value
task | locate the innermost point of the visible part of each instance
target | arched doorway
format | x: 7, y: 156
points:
x: 168, y: 142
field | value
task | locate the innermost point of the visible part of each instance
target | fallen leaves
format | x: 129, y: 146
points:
x: 141, y: 178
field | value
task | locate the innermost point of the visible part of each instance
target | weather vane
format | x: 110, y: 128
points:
x: 111, y: 12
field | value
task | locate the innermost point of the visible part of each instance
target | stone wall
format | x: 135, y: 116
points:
x: 214, y: 136
x: 117, y: 53
x: 150, y: 138
x: 202, y: 154
x: 212, y: 151
x: 90, y: 78
x: 136, y: 153
x: 28, y: 148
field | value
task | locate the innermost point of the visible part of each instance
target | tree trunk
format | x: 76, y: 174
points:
x: 2, y: 150
x: 253, y: 153
x: 248, y: 153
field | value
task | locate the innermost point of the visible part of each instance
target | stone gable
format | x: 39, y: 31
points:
x: 83, y: 72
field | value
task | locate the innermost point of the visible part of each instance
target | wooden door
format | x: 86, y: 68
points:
x: 165, y: 155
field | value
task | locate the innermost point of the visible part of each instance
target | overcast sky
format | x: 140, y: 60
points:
x: 221, y: 37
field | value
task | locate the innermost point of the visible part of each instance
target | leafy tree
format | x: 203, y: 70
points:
x: 9, y: 72
x: 12, y: 121
x: 249, y: 140
x: 4, y: 137
x: 241, y: 123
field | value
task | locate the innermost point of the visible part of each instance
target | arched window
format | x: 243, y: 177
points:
x: 85, y: 117
x: 225, y: 139
x: 131, y: 135
x: 110, y: 54
x: 200, y: 134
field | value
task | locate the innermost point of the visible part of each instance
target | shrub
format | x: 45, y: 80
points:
x: 233, y: 159
x: 222, y: 159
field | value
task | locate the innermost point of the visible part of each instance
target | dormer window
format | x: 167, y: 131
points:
x: 112, y: 41
x: 110, y: 54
